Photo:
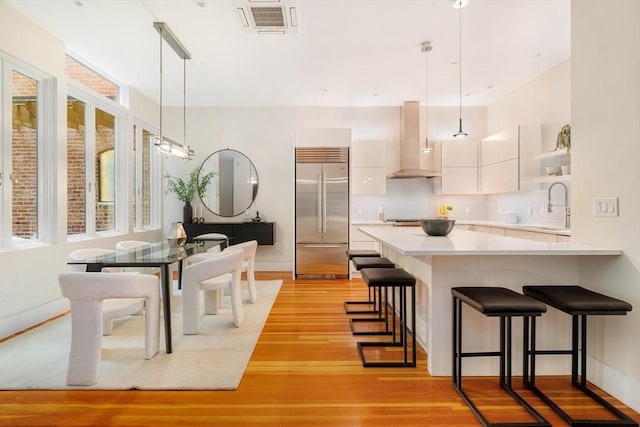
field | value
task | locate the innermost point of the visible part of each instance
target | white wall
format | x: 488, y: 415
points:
x: 605, y: 131
x: 30, y: 275
x: 545, y: 100
x: 266, y: 136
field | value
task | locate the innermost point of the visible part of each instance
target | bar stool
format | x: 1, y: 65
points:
x: 381, y: 312
x: 493, y: 302
x: 394, y: 278
x: 351, y: 253
x: 579, y: 303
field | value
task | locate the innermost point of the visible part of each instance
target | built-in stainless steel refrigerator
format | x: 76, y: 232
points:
x: 322, y: 212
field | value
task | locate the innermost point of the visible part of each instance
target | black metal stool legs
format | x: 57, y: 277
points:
x: 579, y: 303
x: 399, y: 338
x: 504, y: 353
x: 578, y: 354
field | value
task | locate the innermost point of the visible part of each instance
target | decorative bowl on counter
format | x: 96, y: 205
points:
x: 437, y: 226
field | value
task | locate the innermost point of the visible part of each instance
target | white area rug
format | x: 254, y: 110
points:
x: 215, y: 359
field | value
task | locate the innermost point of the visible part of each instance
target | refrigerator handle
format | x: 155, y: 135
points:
x: 324, y: 202
x: 320, y: 204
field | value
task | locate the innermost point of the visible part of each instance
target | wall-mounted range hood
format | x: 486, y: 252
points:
x: 410, y: 154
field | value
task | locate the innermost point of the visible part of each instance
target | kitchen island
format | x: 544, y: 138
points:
x: 467, y: 258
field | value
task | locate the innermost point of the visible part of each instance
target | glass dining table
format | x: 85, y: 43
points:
x: 159, y: 254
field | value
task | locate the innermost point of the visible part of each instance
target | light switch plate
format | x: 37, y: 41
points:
x: 605, y: 206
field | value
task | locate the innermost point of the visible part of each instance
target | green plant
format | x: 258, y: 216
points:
x: 185, y: 191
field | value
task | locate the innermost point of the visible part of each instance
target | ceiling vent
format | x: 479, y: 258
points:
x: 268, y: 16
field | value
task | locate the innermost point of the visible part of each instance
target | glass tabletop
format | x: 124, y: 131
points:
x: 153, y: 254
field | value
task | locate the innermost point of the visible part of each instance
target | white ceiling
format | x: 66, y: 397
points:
x: 345, y: 52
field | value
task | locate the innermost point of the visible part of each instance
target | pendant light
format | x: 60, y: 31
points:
x: 162, y: 143
x: 426, y: 48
x: 459, y: 4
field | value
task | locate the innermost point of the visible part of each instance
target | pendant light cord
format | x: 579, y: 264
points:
x: 460, y: 132
x: 426, y: 98
x: 460, y: 63
x: 161, y: 136
x: 184, y: 102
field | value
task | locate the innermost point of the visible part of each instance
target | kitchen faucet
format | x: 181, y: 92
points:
x: 567, y: 210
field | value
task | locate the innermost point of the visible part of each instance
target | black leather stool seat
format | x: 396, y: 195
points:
x: 371, y: 262
x: 494, y: 301
x: 351, y: 253
x: 380, y: 276
x: 574, y: 299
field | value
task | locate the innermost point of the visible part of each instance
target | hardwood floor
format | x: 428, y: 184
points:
x: 305, y: 371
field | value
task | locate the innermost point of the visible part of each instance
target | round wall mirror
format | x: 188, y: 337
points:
x: 234, y: 186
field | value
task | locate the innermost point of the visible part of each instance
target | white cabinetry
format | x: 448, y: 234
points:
x: 459, y: 161
x: 368, y: 167
x: 506, y: 160
x: 520, y: 234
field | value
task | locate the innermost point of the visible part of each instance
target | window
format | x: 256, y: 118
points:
x: 24, y: 156
x: 105, y: 178
x: 76, y: 174
x: 95, y: 165
x: 77, y: 71
x: 24, y: 216
x: 146, y: 184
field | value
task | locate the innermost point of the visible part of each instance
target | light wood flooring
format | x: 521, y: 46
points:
x: 305, y: 371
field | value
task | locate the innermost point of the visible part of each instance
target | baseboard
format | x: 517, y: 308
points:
x: 273, y: 266
x: 31, y: 317
x: 618, y: 385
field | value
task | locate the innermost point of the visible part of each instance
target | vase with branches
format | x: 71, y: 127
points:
x: 185, y: 191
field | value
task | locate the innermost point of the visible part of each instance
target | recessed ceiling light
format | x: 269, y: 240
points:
x: 459, y: 4
x: 78, y: 3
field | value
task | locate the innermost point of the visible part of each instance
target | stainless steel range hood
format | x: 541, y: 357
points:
x: 410, y: 154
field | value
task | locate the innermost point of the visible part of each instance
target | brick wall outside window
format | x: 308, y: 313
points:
x: 77, y: 71
x: 24, y: 152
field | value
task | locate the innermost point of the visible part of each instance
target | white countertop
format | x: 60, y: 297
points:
x: 518, y: 226
x: 538, y: 228
x: 413, y: 241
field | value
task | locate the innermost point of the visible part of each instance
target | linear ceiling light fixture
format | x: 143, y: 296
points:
x: 163, y: 144
x: 426, y: 48
x: 458, y: 4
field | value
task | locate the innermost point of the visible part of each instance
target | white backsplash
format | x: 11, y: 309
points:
x: 529, y: 207
x: 414, y: 198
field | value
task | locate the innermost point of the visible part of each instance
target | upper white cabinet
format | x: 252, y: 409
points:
x: 368, y: 167
x: 506, y: 160
x: 459, y: 161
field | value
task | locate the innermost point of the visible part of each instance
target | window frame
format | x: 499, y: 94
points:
x: 155, y: 180
x: 93, y: 101
x: 46, y: 141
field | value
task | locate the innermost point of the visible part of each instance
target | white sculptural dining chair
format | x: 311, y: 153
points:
x: 86, y: 293
x: 202, y: 276
x: 112, y: 308
x: 218, y: 237
x: 127, y: 245
x: 213, y: 296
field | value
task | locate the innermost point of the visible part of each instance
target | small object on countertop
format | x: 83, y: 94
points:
x: 437, y: 226
x: 257, y: 217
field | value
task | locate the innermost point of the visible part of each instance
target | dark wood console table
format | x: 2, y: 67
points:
x: 238, y: 232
